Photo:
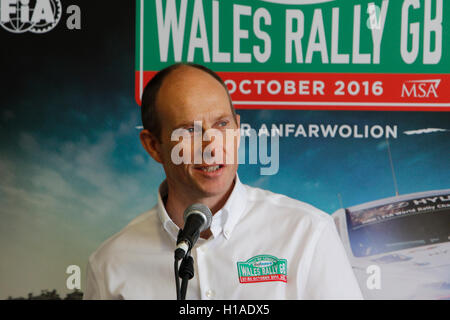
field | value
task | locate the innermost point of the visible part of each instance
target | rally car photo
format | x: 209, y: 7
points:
x: 399, y: 247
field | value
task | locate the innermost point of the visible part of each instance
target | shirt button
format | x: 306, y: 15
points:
x: 209, y: 293
x: 227, y: 233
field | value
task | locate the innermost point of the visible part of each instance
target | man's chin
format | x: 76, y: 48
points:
x: 212, y: 188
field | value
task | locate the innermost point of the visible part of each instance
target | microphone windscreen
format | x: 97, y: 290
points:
x: 199, y: 208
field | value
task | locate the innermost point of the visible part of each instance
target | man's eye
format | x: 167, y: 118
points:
x: 223, y: 123
x: 190, y: 129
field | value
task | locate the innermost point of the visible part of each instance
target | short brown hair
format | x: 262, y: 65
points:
x: 149, y: 115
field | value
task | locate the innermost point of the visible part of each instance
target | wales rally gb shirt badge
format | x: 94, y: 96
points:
x: 262, y: 268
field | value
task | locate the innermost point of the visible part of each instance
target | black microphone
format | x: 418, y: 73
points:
x: 197, y: 218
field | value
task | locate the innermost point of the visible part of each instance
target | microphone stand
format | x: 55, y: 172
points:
x: 185, y: 272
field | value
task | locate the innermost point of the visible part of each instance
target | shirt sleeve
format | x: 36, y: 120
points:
x: 330, y: 274
x: 92, y: 291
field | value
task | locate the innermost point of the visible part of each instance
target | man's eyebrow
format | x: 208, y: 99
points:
x: 191, y: 123
x: 184, y: 124
x: 223, y: 116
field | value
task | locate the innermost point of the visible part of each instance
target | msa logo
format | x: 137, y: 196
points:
x: 37, y: 16
x: 421, y: 88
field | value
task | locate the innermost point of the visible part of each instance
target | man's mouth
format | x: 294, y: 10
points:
x: 210, y: 169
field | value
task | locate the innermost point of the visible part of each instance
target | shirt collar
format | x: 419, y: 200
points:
x: 223, y: 220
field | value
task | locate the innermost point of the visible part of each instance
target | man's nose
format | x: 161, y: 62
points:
x: 209, y: 138
x: 213, y: 140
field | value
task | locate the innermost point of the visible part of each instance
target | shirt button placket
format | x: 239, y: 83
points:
x: 209, y: 294
x: 205, y: 290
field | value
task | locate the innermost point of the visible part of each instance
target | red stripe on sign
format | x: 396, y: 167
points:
x: 332, y: 91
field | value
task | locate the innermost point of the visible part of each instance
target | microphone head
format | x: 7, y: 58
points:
x: 202, y: 210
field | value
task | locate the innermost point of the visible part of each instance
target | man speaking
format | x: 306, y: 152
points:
x: 260, y: 245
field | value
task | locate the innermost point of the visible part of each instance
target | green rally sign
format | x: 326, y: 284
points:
x: 305, y: 54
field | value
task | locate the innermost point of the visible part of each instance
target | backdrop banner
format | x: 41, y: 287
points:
x: 277, y: 55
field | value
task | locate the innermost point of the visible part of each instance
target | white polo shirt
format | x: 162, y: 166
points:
x: 263, y: 246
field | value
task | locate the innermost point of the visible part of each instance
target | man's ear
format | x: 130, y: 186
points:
x: 151, y: 144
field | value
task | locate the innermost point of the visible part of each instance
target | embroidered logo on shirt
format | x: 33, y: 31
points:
x: 262, y: 268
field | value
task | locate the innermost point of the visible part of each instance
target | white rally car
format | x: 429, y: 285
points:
x: 402, y: 241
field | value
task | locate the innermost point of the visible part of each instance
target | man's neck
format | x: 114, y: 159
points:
x: 176, y: 204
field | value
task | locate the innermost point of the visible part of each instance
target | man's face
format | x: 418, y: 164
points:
x: 190, y: 96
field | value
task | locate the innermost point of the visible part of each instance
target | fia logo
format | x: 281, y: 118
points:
x: 36, y: 16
